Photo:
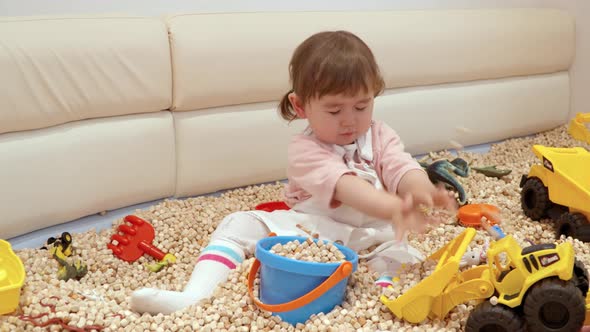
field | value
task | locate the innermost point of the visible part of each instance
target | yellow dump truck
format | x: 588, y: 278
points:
x: 559, y: 188
x: 541, y: 286
x: 577, y: 128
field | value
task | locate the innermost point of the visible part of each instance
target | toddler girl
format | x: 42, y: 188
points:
x: 349, y: 179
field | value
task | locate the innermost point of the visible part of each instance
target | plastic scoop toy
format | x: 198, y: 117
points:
x: 134, y: 240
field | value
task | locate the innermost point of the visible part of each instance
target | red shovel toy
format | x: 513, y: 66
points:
x: 135, y: 241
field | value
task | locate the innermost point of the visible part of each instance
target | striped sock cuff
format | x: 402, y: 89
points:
x: 217, y: 258
x: 384, y: 281
x: 222, y: 253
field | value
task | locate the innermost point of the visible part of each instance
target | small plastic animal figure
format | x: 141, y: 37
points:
x: 444, y: 171
x: 492, y: 171
x: 441, y: 171
x: 474, y: 257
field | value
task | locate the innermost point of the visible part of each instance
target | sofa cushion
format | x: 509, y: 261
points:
x: 247, y: 54
x: 246, y: 144
x: 65, y: 172
x: 56, y: 70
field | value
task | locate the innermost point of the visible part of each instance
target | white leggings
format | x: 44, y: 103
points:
x: 242, y: 229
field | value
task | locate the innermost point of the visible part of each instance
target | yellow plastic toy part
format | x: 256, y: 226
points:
x: 440, y: 292
x: 509, y: 272
x: 565, y: 172
x: 12, y: 277
x: 577, y: 128
x: 155, y: 267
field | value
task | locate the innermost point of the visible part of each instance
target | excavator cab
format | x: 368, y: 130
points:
x: 506, y: 268
x: 537, y: 286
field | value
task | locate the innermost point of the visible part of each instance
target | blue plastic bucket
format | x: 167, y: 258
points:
x: 293, y: 289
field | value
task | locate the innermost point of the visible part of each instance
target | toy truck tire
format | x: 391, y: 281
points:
x: 534, y: 198
x: 553, y: 304
x: 488, y: 317
x: 581, y: 277
x: 575, y: 225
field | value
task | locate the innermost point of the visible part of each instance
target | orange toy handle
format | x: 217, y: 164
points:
x: 343, y: 271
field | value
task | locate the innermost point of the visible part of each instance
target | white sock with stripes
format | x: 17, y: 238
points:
x: 213, y: 266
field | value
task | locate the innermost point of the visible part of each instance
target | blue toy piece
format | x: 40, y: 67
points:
x: 498, y: 231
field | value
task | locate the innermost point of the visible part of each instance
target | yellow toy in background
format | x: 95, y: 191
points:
x: 60, y: 249
x: 577, y: 128
x: 559, y: 188
x: 167, y: 260
x: 541, y: 286
x: 64, y: 242
x: 12, y: 278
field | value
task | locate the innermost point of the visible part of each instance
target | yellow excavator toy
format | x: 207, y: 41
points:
x: 541, y: 287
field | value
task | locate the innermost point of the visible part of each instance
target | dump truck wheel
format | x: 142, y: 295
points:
x: 553, y: 304
x: 574, y: 225
x: 487, y: 318
x: 581, y: 277
x: 534, y: 198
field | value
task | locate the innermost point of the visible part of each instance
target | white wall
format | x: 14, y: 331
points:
x: 156, y: 7
x: 580, y: 73
x: 580, y: 77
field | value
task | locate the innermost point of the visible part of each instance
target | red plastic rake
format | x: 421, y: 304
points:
x: 134, y: 240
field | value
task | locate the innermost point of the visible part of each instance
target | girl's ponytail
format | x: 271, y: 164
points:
x: 286, y: 109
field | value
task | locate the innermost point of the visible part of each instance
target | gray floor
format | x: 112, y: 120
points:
x: 37, y: 238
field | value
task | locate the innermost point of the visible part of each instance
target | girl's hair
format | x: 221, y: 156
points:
x: 331, y: 62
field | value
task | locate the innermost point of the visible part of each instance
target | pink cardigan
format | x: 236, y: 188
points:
x: 315, y: 167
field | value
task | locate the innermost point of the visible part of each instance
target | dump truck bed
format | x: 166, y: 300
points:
x: 567, y: 175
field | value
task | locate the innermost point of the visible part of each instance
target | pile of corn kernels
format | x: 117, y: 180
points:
x: 183, y: 228
x: 310, y: 251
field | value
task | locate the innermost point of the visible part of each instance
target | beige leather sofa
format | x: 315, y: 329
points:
x: 105, y: 112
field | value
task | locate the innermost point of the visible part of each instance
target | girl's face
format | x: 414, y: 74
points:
x: 337, y: 119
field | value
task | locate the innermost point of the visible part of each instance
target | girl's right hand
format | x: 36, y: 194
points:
x: 408, y: 217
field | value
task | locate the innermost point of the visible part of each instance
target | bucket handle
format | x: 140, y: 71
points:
x: 343, y: 271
